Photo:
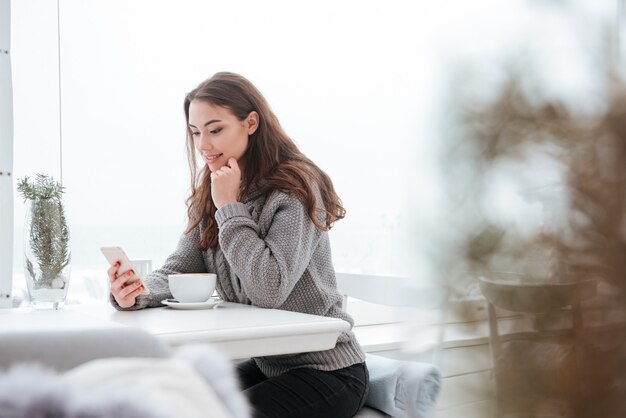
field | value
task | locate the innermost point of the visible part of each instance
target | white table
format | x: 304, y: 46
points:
x: 241, y: 331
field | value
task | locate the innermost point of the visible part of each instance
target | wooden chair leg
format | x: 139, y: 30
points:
x: 494, y: 347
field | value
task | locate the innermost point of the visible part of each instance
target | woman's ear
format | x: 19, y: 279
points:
x: 252, y: 122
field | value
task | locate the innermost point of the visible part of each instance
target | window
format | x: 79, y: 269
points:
x: 355, y: 83
x: 343, y: 77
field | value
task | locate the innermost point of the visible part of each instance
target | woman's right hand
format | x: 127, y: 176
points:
x: 125, y: 294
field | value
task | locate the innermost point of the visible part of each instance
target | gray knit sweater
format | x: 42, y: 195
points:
x: 270, y: 255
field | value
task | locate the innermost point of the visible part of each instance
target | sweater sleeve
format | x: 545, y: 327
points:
x: 187, y: 258
x: 269, y: 267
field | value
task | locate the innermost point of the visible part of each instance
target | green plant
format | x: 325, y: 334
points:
x: 48, y: 233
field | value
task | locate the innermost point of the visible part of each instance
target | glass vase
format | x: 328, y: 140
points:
x: 46, y: 253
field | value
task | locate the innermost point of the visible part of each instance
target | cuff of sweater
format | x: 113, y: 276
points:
x: 230, y: 210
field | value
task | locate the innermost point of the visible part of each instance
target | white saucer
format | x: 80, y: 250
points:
x: 173, y: 303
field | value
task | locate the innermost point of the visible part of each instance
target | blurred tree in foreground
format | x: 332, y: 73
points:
x: 573, y: 229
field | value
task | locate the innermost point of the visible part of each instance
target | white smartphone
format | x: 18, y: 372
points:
x: 115, y: 254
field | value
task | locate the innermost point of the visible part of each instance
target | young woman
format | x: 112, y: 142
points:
x: 259, y: 213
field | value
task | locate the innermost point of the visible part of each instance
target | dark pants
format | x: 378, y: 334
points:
x: 304, y: 393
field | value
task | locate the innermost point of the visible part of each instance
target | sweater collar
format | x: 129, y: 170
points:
x: 255, y: 190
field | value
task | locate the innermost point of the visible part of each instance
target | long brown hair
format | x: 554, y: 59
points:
x: 272, y: 160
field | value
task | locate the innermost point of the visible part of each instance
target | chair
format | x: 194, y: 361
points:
x: 536, y: 359
x: 397, y: 388
x: 64, y: 350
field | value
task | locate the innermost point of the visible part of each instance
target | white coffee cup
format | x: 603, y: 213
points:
x: 192, y: 287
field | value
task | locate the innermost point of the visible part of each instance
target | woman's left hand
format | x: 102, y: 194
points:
x: 225, y: 184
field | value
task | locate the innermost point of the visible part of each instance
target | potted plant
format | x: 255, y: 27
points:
x: 46, y: 242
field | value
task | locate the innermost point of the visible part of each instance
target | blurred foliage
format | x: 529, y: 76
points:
x: 584, y: 376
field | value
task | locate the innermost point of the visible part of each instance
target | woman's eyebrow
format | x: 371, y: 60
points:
x: 206, y: 124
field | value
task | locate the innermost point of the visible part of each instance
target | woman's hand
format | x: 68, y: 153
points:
x: 225, y: 184
x: 125, y: 295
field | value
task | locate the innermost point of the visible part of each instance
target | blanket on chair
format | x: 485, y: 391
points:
x: 402, y: 388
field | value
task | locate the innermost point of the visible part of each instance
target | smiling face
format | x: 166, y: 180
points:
x: 217, y: 133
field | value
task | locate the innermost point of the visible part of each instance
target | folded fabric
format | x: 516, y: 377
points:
x: 402, y: 389
x: 171, y: 387
x: 196, y: 382
x: 121, y: 388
